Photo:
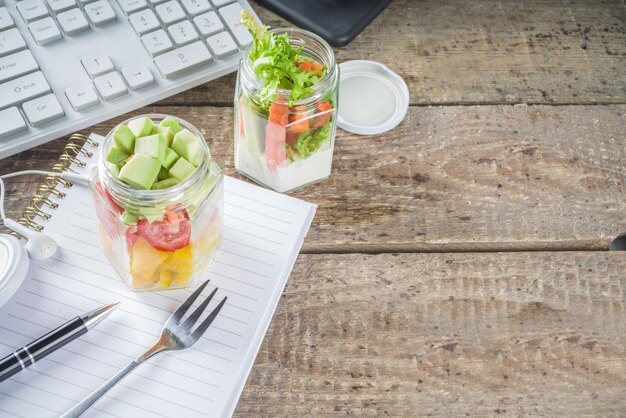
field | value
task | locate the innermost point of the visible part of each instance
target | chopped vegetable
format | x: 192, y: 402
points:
x: 312, y: 65
x: 308, y: 142
x: 274, y: 63
x: 298, y: 123
x: 279, y: 114
x: 275, y: 151
x: 321, y: 120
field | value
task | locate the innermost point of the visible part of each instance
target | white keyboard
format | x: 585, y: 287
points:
x: 68, y: 64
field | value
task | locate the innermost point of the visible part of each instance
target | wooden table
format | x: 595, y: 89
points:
x: 458, y: 264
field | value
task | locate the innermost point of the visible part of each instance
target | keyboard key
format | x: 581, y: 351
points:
x: 155, y: 2
x: 208, y: 23
x: 182, y: 33
x: 11, y: 41
x: 144, y: 21
x: 32, y: 10
x: 22, y: 89
x: 81, y: 96
x: 100, y: 13
x: 170, y: 12
x: 220, y: 3
x: 43, y: 110
x: 195, y: 7
x: 6, y: 21
x: 11, y: 122
x: 179, y: 61
x: 131, y: 6
x: 73, y: 21
x: 59, y: 5
x: 96, y: 64
x: 231, y: 15
x: 157, y: 42
x: 137, y: 76
x: 222, y: 45
x: 110, y: 86
x: 17, y: 64
x: 45, y: 31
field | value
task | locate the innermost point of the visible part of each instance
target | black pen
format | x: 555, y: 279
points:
x: 55, y: 339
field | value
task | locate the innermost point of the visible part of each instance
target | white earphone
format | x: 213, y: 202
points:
x: 39, y: 245
x: 15, y: 257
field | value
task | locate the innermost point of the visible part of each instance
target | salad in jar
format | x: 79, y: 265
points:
x: 285, y: 107
x: 159, y: 201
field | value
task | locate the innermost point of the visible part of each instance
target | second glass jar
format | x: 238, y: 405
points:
x: 297, y: 149
x: 160, y: 239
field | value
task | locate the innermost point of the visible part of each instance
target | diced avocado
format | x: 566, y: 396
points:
x: 152, y: 214
x: 115, y: 169
x: 116, y: 156
x: 140, y: 171
x: 170, y: 158
x: 129, y: 218
x: 182, y: 169
x: 164, y: 184
x: 166, y: 131
x: 188, y: 146
x: 124, y: 139
x: 153, y: 146
x: 164, y: 173
x: 141, y: 126
x: 172, y: 123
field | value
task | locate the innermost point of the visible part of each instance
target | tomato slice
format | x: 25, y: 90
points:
x: 275, y: 151
x: 107, y: 196
x: 107, y: 212
x: 170, y: 234
x: 321, y: 120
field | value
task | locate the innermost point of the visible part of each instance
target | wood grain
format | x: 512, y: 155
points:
x: 485, y: 52
x: 518, y: 334
x: 477, y: 178
x: 477, y: 332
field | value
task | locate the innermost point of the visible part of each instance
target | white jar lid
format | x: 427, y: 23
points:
x: 14, y: 264
x: 372, y: 98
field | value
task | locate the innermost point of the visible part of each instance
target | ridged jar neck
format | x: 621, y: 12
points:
x: 180, y: 194
x: 313, y: 47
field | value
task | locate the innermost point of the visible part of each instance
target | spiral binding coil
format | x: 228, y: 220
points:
x: 71, y: 155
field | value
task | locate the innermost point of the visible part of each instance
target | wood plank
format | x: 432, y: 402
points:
x: 485, y: 52
x: 466, y: 178
x: 517, y: 334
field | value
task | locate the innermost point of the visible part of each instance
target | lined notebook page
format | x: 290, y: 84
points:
x: 263, y: 233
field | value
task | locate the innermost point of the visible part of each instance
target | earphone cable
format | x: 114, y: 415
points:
x: 25, y: 172
x: 2, y: 200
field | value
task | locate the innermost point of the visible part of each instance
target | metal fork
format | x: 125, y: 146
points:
x: 174, y: 336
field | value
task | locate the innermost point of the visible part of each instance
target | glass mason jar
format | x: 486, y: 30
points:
x: 297, y: 149
x: 160, y: 239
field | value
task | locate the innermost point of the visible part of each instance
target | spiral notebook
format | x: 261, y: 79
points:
x: 263, y: 234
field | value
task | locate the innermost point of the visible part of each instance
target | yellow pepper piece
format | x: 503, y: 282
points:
x: 145, y: 259
x: 181, y: 265
x: 165, y: 279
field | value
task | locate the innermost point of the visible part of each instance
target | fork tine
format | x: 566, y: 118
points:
x: 193, y: 318
x: 205, y: 324
x: 180, y: 312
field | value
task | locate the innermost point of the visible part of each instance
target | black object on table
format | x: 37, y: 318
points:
x: 52, y: 341
x: 337, y: 21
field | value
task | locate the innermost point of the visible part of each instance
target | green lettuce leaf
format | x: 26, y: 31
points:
x: 273, y: 62
x: 308, y: 142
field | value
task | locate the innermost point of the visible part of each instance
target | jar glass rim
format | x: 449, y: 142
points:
x: 175, y: 192
x: 317, y: 88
